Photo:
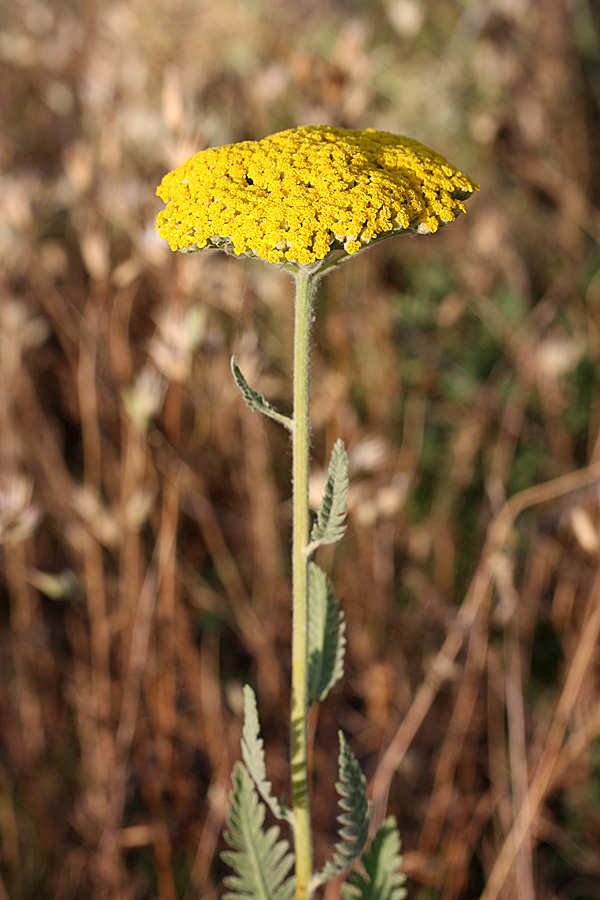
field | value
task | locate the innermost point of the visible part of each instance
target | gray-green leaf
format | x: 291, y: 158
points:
x: 354, y: 817
x: 330, y: 525
x: 254, y: 755
x: 382, y: 879
x: 326, y: 636
x: 256, y: 401
x: 261, y: 862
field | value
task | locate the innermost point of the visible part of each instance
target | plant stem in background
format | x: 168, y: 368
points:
x: 305, y: 290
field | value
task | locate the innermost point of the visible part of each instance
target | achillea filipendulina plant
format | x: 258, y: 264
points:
x: 307, y: 200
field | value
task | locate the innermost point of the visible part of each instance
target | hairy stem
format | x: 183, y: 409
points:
x: 305, y: 291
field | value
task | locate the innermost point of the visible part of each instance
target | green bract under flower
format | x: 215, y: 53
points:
x: 298, y: 195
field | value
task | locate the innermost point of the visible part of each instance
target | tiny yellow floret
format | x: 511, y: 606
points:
x: 298, y: 195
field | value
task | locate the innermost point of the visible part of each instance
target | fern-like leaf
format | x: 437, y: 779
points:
x: 253, y: 754
x: 256, y: 401
x: 326, y: 638
x: 330, y: 525
x: 354, y: 817
x: 382, y: 879
x: 261, y: 862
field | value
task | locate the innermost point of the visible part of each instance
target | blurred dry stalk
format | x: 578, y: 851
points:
x: 142, y: 519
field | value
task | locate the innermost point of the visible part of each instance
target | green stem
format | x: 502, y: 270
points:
x: 305, y: 291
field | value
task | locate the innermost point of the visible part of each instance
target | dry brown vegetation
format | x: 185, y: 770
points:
x: 144, y: 512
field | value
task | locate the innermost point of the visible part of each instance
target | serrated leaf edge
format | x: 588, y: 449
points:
x: 330, y: 525
x: 354, y: 817
x: 326, y: 636
x: 255, y: 854
x: 383, y: 858
x: 255, y: 401
x: 253, y: 754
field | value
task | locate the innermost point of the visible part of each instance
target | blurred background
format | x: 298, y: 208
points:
x: 145, y: 513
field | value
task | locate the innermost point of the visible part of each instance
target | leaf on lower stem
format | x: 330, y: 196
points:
x: 253, y: 754
x: 331, y: 518
x: 261, y: 862
x: 326, y: 636
x: 354, y: 817
x: 382, y: 879
x: 256, y: 401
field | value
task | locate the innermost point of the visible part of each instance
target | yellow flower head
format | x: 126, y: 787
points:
x: 298, y: 195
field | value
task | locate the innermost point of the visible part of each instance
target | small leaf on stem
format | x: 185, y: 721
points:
x: 256, y: 401
x: 331, y: 518
x: 254, y: 755
x: 354, y: 817
x: 261, y: 861
x: 326, y: 636
x: 382, y: 879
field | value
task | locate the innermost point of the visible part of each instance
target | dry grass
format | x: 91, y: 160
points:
x: 144, y: 511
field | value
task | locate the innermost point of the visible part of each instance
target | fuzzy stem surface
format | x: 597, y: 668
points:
x: 305, y: 291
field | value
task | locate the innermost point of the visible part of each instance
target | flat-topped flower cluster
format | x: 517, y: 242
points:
x: 298, y: 195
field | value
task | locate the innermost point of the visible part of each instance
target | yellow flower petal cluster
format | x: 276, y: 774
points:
x: 297, y: 195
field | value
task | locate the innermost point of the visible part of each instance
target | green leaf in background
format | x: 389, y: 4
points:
x: 382, y: 879
x: 261, y: 861
x: 354, y: 817
x: 331, y: 518
x: 326, y: 638
x: 256, y: 401
x: 254, y: 755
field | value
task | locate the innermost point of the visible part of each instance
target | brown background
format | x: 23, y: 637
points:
x: 144, y: 511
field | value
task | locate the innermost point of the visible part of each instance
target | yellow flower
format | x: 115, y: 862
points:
x: 301, y: 194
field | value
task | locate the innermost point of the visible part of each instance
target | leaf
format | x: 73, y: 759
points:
x: 326, y: 636
x: 354, y: 817
x: 256, y: 401
x: 254, y: 755
x: 331, y: 525
x: 382, y: 879
x: 261, y: 861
